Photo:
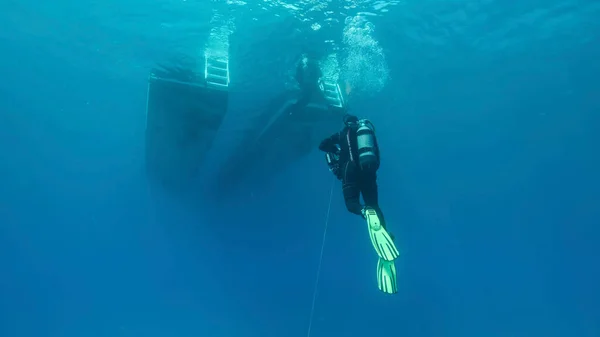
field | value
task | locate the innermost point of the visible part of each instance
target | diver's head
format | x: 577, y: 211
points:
x: 350, y: 120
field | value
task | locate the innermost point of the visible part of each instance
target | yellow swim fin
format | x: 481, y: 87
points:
x: 381, y: 240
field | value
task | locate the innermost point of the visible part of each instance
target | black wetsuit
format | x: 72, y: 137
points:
x: 307, y: 76
x: 354, y: 180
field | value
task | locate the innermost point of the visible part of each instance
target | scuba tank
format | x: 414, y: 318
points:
x: 368, y: 152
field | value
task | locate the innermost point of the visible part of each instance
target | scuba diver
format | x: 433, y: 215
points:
x: 353, y: 157
x: 308, y: 76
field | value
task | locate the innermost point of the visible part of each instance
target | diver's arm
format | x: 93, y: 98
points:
x: 330, y: 143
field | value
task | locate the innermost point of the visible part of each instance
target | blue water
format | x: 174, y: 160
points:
x: 489, y: 125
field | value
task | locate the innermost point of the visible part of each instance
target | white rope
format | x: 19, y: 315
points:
x: 314, y: 299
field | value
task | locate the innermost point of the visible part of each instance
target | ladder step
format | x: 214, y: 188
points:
x: 212, y: 66
x: 217, y: 72
x: 216, y: 78
x: 217, y: 61
x: 331, y: 92
x: 212, y: 75
x: 216, y: 84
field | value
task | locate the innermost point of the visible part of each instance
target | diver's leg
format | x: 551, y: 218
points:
x: 382, y: 240
x: 351, y: 188
x: 369, y: 189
